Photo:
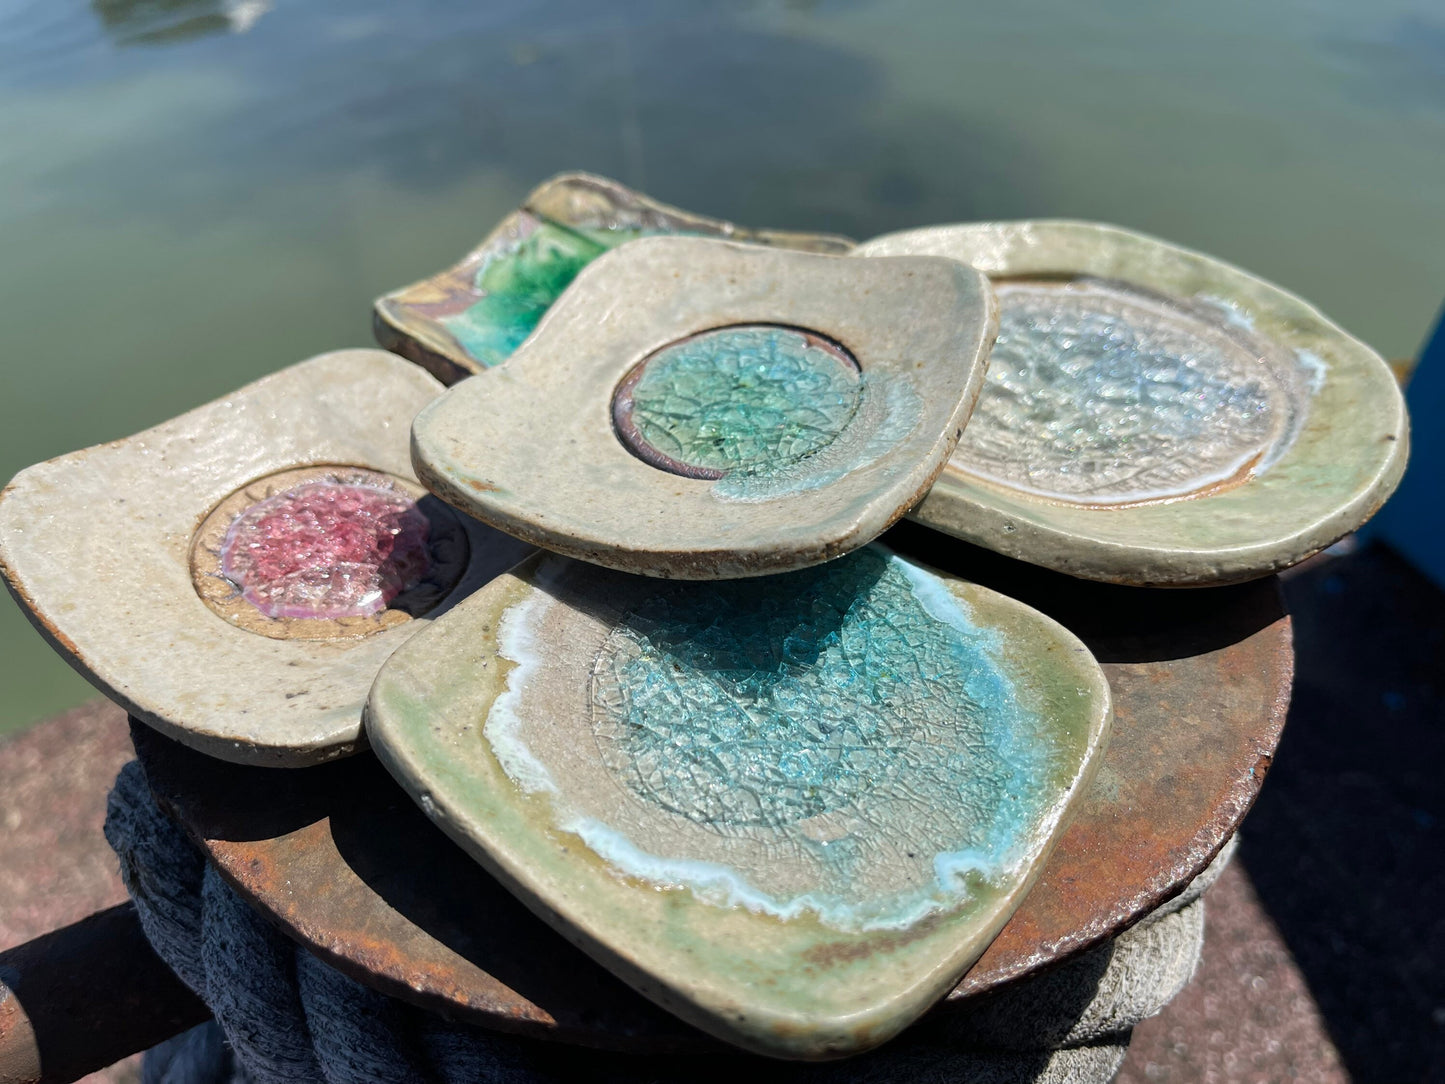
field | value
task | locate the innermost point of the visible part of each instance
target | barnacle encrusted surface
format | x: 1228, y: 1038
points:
x: 1096, y: 393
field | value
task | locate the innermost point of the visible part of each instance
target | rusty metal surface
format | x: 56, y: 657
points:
x: 82, y: 997
x: 1201, y: 683
x: 340, y: 857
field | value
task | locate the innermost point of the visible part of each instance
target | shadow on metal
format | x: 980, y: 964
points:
x: 340, y: 857
x: 82, y: 997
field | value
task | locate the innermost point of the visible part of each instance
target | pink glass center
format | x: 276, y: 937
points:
x: 327, y: 550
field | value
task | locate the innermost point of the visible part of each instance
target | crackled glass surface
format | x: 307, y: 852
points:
x: 327, y: 550
x: 517, y: 285
x: 844, y: 739
x: 740, y: 399
x: 1095, y: 393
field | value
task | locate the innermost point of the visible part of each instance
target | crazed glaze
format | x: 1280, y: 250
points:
x: 746, y: 398
x: 764, y: 411
x: 1099, y: 394
x: 327, y: 550
x: 846, y: 741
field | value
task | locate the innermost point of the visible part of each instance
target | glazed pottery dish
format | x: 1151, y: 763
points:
x: 1155, y: 416
x: 700, y: 409
x: 792, y: 810
x: 234, y: 577
x: 473, y: 315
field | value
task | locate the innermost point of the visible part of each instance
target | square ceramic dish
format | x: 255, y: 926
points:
x: 699, y: 409
x: 474, y: 314
x: 792, y: 810
x: 235, y: 577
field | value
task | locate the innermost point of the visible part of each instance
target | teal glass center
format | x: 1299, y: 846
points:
x: 744, y: 399
x: 854, y: 692
x: 516, y: 286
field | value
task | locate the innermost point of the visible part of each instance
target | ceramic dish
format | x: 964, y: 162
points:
x: 699, y: 409
x: 234, y: 577
x: 792, y: 810
x: 1155, y: 416
x: 473, y: 315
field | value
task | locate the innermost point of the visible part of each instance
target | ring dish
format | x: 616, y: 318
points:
x: 701, y: 409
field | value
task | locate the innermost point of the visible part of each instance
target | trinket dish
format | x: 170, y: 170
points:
x: 791, y: 810
x: 699, y: 409
x: 474, y: 314
x: 1155, y: 416
x: 235, y: 577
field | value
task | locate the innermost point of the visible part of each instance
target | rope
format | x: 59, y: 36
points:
x: 282, y: 1016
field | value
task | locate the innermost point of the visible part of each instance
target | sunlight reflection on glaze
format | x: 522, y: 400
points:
x: 327, y: 550
x: 517, y: 285
x: 1098, y: 394
x: 851, y: 722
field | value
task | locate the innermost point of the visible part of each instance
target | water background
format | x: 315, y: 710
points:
x: 196, y: 192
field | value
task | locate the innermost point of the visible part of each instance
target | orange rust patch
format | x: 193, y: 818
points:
x: 833, y: 953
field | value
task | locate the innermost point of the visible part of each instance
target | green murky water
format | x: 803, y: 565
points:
x: 196, y: 192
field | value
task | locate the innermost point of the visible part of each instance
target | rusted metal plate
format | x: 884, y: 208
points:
x: 1201, y: 682
x: 340, y: 858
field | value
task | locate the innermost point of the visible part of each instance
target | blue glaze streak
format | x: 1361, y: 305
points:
x: 852, y: 716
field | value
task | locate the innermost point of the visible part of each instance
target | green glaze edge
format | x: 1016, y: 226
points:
x: 802, y: 990
x: 578, y: 217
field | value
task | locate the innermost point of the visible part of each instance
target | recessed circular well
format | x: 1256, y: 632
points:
x: 1102, y: 393
x: 742, y: 398
x: 324, y: 553
x: 763, y: 703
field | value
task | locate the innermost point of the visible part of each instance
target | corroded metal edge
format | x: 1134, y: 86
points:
x: 350, y: 868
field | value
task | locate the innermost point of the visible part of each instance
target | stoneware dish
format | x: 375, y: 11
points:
x: 1155, y: 416
x: 792, y: 810
x: 699, y: 409
x: 473, y: 315
x: 234, y: 577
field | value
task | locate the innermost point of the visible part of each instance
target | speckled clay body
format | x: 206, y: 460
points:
x: 698, y: 409
x: 1155, y: 416
x: 235, y: 576
x: 792, y: 810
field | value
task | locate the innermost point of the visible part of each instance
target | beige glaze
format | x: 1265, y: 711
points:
x: 96, y: 547
x: 530, y: 447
